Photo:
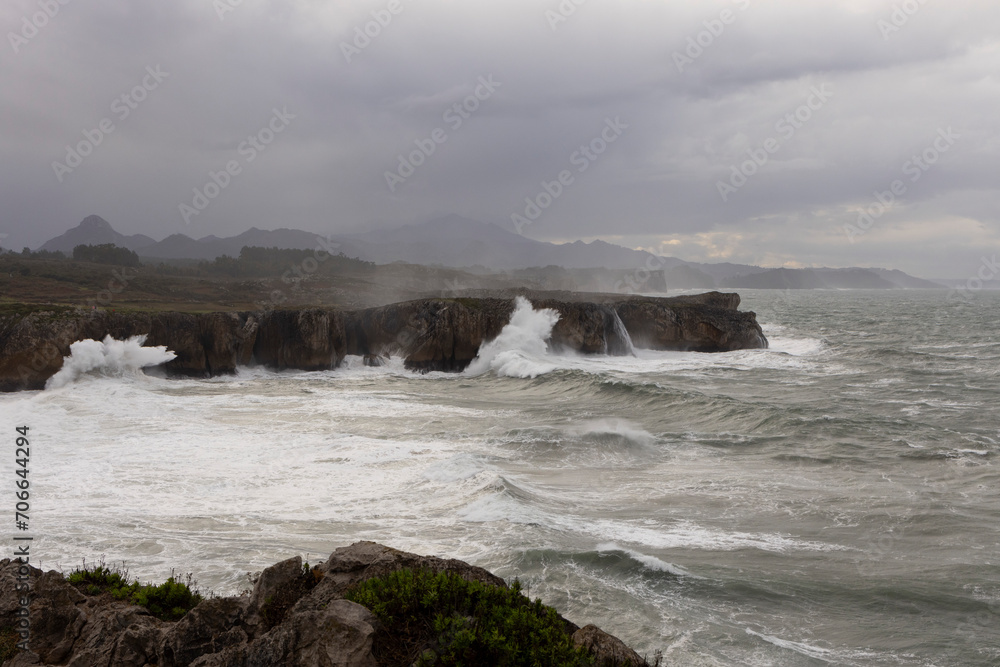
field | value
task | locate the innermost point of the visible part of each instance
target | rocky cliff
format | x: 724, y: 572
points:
x: 430, y: 334
x: 292, y: 618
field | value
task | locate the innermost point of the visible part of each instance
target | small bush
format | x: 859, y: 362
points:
x: 9, y: 640
x: 168, y: 601
x: 442, y: 619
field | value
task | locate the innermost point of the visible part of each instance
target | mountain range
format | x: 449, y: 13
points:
x: 457, y: 242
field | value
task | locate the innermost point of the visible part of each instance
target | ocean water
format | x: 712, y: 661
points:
x: 833, y: 500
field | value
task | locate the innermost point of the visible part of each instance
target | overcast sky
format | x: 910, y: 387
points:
x: 834, y: 99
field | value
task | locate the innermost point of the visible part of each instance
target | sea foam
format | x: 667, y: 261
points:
x: 109, y: 357
x: 521, y: 348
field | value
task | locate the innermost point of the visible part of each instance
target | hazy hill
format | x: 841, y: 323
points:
x: 688, y: 276
x: 179, y: 246
x: 95, y: 230
x: 905, y: 280
x: 457, y: 242
x: 812, y: 279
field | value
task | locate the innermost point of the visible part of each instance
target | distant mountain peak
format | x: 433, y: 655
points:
x: 95, y: 230
x: 95, y: 223
x: 456, y: 241
x: 453, y: 222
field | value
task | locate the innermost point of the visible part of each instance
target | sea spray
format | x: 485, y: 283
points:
x: 788, y: 481
x: 622, y: 345
x: 620, y: 429
x: 520, y: 348
x: 110, y: 357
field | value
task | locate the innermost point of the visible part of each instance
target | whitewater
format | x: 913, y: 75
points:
x: 832, y: 500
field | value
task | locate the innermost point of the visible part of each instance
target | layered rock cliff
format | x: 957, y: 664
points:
x: 430, y: 334
x: 292, y: 618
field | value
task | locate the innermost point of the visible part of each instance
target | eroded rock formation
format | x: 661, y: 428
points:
x: 282, y: 622
x: 430, y: 334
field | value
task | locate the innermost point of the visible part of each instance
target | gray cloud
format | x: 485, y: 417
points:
x: 655, y: 185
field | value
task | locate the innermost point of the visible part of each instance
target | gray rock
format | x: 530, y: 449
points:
x: 366, y: 560
x: 431, y: 334
x: 606, y: 649
x: 313, y: 625
x: 214, y: 625
x: 340, y: 635
x: 276, y: 589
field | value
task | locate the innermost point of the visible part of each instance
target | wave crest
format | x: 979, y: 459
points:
x: 520, y: 349
x: 110, y: 357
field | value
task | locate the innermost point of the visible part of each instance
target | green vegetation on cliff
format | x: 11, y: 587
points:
x: 443, y: 619
x: 9, y: 640
x: 168, y: 601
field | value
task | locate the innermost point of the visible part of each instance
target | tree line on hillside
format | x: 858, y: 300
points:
x: 253, y: 261
x: 257, y: 262
x: 28, y: 254
x: 105, y: 253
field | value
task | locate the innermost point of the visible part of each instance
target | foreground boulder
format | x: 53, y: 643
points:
x: 429, y: 334
x: 293, y: 617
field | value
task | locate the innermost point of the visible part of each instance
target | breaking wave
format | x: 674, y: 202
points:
x: 109, y: 357
x: 521, y: 348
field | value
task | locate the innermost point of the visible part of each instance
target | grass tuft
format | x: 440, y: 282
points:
x: 168, y: 601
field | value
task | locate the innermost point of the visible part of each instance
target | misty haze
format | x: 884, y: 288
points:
x: 535, y: 333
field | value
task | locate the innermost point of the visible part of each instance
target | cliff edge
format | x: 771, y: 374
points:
x: 294, y: 617
x: 435, y: 334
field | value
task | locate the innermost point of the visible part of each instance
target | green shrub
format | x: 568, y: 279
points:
x: 9, y: 640
x: 168, y: 601
x: 442, y: 619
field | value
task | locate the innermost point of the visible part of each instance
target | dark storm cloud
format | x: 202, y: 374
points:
x: 657, y: 186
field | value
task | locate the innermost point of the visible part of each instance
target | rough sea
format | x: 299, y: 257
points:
x: 833, y: 500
